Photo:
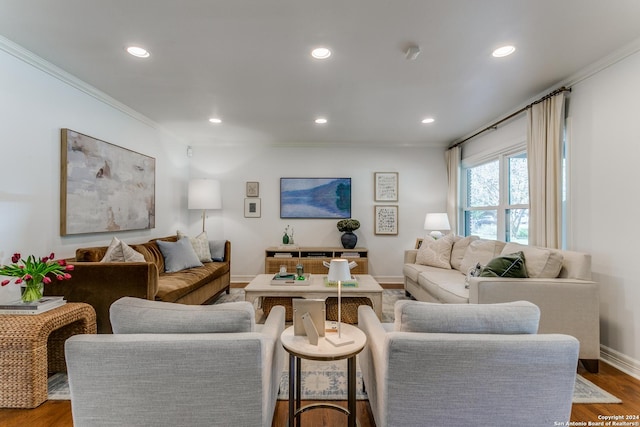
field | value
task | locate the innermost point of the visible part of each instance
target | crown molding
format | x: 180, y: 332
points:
x: 37, y: 62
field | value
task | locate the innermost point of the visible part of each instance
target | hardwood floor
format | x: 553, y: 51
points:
x: 625, y: 387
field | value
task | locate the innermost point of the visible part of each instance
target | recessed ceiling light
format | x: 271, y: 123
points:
x: 428, y: 120
x: 503, y: 51
x: 321, y: 121
x: 138, y: 51
x: 321, y: 53
x: 215, y: 120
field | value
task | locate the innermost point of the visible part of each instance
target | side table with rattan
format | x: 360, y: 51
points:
x: 33, y: 345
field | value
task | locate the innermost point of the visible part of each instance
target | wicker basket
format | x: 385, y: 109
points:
x: 349, y: 308
x: 269, y: 302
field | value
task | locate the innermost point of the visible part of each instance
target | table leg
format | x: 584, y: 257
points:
x: 292, y: 378
x: 351, y: 390
x: 298, y: 388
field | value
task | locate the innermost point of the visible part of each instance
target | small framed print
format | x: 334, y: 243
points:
x: 253, y: 189
x: 418, y: 242
x: 386, y: 219
x: 252, y: 208
x: 385, y: 186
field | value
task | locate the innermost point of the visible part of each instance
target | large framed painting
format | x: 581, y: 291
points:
x: 103, y: 187
x: 315, y: 197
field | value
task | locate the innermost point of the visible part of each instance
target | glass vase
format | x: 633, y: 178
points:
x: 32, y: 292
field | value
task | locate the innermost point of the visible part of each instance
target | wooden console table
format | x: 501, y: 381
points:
x: 312, y: 258
x: 29, y: 344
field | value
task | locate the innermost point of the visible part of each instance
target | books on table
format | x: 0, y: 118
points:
x: 44, y: 304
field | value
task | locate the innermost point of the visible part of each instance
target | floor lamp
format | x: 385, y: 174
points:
x: 204, y: 194
x: 339, y: 272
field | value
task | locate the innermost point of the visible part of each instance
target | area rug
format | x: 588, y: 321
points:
x: 328, y: 380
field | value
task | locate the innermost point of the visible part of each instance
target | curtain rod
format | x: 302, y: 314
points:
x: 512, y: 115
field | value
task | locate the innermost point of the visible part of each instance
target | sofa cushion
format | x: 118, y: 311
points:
x: 178, y: 255
x: 519, y: 317
x: 541, y: 262
x: 119, y: 251
x: 435, y: 253
x: 480, y: 251
x: 460, y: 245
x: 173, y: 286
x: 446, y: 286
x: 138, y: 316
x: 200, y: 245
x: 510, y: 265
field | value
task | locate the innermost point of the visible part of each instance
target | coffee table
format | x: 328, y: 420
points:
x: 367, y: 287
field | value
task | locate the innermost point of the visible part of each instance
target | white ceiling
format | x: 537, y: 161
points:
x: 247, y: 61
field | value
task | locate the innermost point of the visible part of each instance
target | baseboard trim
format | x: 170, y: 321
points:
x: 620, y: 361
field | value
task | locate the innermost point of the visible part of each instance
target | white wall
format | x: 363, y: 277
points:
x: 34, y: 106
x: 604, y: 174
x: 422, y: 188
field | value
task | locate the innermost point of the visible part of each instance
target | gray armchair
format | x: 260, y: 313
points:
x: 172, y: 364
x: 466, y: 364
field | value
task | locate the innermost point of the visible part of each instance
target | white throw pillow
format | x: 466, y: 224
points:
x: 460, y: 246
x: 435, y: 253
x: 540, y: 262
x: 480, y: 251
x: 119, y: 251
x: 200, y: 245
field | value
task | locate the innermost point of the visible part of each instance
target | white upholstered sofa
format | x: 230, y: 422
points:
x: 559, y: 283
x: 171, y: 364
x: 466, y: 365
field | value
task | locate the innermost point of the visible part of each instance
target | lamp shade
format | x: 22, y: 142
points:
x: 437, y: 221
x: 339, y: 270
x: 204, y: 194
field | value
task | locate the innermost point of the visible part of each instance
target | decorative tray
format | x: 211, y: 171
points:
x: 291, y: 280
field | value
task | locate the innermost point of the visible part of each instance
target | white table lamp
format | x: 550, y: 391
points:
x: 339, y: 272
x: 437, y: 223
x: 204, y: 194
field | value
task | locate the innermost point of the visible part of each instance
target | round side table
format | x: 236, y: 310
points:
x: 299, y: 348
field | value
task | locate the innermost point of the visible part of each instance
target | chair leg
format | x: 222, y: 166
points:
x: 591, y: 365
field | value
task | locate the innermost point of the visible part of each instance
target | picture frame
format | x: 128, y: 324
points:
x: 104, y: 187
x: 385, y: 219
x: 328, y: 198
x: 418, y: 242
x: 385, y: 186
x: 252, y: 207
x: 253, y: 189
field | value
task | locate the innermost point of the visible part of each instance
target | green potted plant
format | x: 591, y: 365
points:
x: 348, y: 226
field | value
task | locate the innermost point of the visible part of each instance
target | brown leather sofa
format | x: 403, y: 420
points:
x: 100, y: 284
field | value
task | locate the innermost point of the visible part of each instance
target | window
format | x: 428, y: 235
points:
x: 496, y: 198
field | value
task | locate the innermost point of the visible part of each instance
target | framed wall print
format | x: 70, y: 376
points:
x: 385, y: 219
x: 252, y: 207
x: 104, y: 187
x: 385, y: 186
x: 253, y: 189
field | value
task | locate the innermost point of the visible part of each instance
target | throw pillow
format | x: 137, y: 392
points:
x: 518, y: 317
x: 200, y: 245
x: 460, y: 246
x: 541, y: 262
x: 216, y: 247
x: 139, y: 316
x: 435, y: 253
x: 480, y: 251
x: 178, y: 255
x: 119, y: 251
x: 511, y: 265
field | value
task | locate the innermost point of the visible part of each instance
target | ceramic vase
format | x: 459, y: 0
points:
x: 349, y: 240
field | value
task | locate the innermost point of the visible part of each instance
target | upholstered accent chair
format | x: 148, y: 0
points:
x: 171, y: 364
x: 466, y: 364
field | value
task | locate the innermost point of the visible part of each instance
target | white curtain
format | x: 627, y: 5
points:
x: 544, y: 157
x: 452, y: 157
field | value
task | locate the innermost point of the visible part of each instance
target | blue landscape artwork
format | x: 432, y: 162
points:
x: 315, y: 197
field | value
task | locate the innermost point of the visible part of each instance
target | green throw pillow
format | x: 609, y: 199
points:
x: 511, y: 265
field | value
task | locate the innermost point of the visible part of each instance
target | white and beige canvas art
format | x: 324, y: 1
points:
x: 104, y: 188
